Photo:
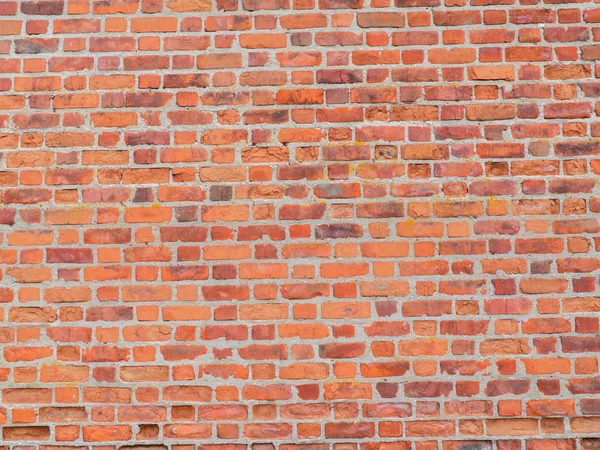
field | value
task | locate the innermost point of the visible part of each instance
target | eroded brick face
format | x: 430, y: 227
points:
x: 299, y: 224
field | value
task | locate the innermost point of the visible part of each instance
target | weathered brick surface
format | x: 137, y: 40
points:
x: 308, y: 224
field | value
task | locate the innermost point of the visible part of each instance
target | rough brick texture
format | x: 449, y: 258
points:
x: 299, y: 224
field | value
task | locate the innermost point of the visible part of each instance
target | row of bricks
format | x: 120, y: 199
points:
x: 333, y: 430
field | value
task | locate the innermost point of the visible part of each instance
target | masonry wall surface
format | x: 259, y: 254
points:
x: 299, y: 224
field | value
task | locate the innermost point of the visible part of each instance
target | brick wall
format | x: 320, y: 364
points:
x: 308, y: 224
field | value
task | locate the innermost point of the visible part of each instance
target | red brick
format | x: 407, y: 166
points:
x: 281, y: 216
